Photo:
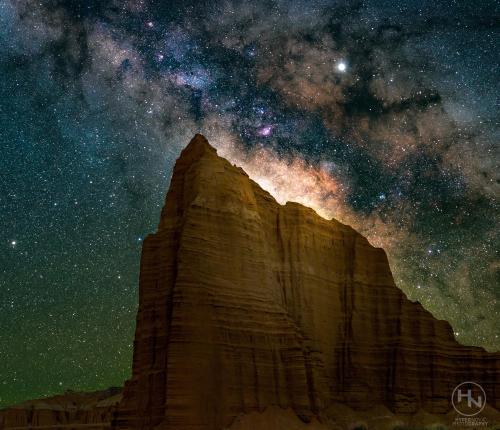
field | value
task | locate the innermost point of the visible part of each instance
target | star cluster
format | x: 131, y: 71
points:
x: 381, y: 114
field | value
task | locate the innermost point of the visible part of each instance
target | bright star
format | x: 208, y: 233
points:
x: 13, y: 243
x: 342, y: 66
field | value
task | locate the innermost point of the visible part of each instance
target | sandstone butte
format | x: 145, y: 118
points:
x: 246, y: 304
x: 253, y: 315
x: 69, y: 410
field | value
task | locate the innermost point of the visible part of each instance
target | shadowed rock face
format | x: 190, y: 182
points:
x: 66, y: 411
x: 245, y: 303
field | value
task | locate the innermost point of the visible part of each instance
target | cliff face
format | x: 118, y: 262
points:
x: 70, y: 410
x: 245, y: 303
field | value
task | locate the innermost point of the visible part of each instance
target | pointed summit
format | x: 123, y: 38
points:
x: 195, y: 162
x: 197, y: 147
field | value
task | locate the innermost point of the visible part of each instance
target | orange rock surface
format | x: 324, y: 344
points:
x: 247, y: 304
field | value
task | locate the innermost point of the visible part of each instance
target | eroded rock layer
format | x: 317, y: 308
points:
x: 245, y: 303
x: 71, y: 410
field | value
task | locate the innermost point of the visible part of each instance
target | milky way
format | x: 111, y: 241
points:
x: 381, y: 114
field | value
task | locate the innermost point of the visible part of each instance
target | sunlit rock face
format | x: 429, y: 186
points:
x: 247, y: 304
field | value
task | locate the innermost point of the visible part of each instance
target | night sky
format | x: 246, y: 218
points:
x: 382, y: 114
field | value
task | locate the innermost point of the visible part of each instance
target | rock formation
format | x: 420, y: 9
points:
x: 66, y: 411
x: 246, y: 304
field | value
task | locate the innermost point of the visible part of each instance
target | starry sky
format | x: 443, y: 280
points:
x: 382, y: 114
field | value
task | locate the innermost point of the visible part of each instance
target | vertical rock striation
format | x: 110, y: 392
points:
x: 245, y: 303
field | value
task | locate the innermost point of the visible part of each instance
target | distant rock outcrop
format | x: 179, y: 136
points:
x: 66, y: 411
x: 247, y: 304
